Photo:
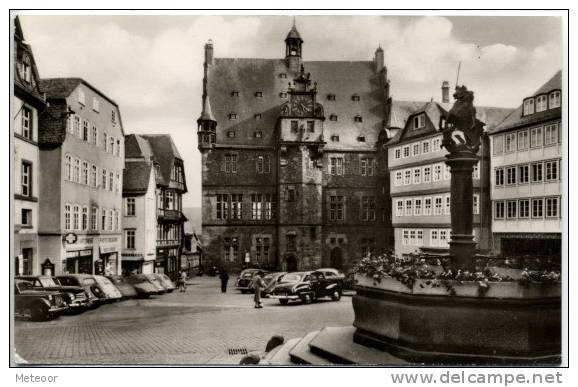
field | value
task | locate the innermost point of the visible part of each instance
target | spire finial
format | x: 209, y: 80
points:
x: 294, y: 26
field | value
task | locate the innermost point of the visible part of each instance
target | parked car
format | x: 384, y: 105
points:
x: 329, y: 272
x: 245, y: 279
x: 99, y: 288
x: 124, y: 287
x: 156, y: 283
x: 166, y: 282
x: 76, y: 297
x: 37, y: 304
x: 143, y: 286
x: 307, y: 286
x: 271, y: 280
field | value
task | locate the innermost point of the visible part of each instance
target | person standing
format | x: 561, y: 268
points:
x: 183, y: 282
x: 224, y: 277
x: 258, y: 286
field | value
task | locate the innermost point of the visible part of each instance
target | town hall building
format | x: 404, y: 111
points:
x: 290, y: 174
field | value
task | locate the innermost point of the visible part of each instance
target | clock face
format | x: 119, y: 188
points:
x: 301, y: 105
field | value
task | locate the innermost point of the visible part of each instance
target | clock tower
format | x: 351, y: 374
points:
x: 300, y: 146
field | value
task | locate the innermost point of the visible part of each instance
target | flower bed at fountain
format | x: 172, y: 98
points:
x: 422, y: 310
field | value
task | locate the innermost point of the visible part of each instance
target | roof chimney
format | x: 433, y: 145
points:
x: 379, y: 59
x: 209, y: 52
x: 445, y: 92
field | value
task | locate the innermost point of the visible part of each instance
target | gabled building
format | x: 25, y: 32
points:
x: 148, y: 156
x: 526, y: 184
x: 420, y: 179
x: 28, y: 102
x: 290, y: 174
x: 81, y: 166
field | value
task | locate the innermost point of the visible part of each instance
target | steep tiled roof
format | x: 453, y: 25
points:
x: 515, y: 119
x: 63, y: 87
x: 26, y: 90
x: 136, y: 177
x: 293, y: 33
x: 490, y: 116
x: 52, y: 124
x: 343, y: 79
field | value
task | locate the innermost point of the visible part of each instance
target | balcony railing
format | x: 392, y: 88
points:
x: 168, y: 242
x: 169, y: 215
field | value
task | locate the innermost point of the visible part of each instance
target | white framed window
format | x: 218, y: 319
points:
x: 367, y: 166
x: 427, y: 203
x: 447, y: 172
x: 419, y: 235
x: 111, y: 181
x: 103, y: 179
x: 417, y: 175
x: 94, y: 139
x: 130, y: 206
x: 537, y: 172
x: 76, y: 217
x: 68, y: 168
x: 425, y: 147
x: 436, y: 144
x: 444, y: 238
x: 84, y: 218
x: 512, y: 209
x: 336, y: 166
x: 85, y: 130
x: 555, y: 99
x: 551, y: 170
x: 407, y: 177
x: 536, y: 139
x: 95, y: 104
x: 551, y: 134
x: 416, y: 149
x: 538, y: 208
x: 438, y: 208
x: 499, y: 210
x: 427, y: 174
x: 552, y: 207
x: 67, y: 217
x: 81, y: 97
x: 498, y: 145
x: 129, y: 239
x: 397, y: 153
x: 541, y: 103
x: 76, y: 170
x: 447, y: 206
x: 529, y: 106
x: 399, y: 207
x: 419, y: 121
x: 117, y: 183
x: 511, y: 175
x: 94, y: 218
x: 84, y: 173
x: 94, y: 176
x: 76, y: 127
x: 405, y: 239
x: 231, y: 163
x: 398, y: 178
x: 523, y: 140
x: 437, y: 172
x: 26, y: 122
x: 408, y: 207
x: 476, y: 204
x: 111, y: 148
x: 524, y: 208
x: 476, y: 171
x: 105, y: 141
x: 412, y: 237
x: 417, y: 207
x: 499, y: 177
x: 406, y: 150
x: 434, y: 237
x: 523, y: 174
x: 511, y: 142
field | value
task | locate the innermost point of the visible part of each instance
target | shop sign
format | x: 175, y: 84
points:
x: 70, y: 238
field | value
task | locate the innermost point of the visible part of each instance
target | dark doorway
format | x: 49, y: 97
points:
x: 291, y: 263
x: 336, y: 260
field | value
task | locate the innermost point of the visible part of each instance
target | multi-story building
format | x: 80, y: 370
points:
x: 81, y: 167
x: 28, y: 101
x: 157, y: 230
x: 420, y: 179
x: 526, y: 184
x: 290, y: 175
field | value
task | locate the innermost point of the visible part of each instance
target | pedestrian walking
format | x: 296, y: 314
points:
x: 224, y: 277
x: 258, y: 286
x: 183, y: 282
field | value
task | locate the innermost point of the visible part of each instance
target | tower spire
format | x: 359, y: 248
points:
x: 293, y: 43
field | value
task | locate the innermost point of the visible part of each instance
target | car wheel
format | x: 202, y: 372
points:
x: 283, y: 302
x: 336, y: 296
x: 40, y: 313
x: 307, y: 299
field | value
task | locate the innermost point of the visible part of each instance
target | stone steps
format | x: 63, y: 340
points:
x: 301, y: 354
x: 280, y: 354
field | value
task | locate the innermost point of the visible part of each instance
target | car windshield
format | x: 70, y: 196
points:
x: 88, y: 281
x: 247, y: 274
x: 47, y: 282
x: 291, y: 278
x: 24, y: 285
x: 103, y: 280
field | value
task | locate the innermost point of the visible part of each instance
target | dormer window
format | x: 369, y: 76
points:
x: 555, y: 99
x: 361, y: 138
x: 283, y: 94
x: 529, y: 106
x: 232, y: 116
x: 26, y: 69
x: 541, y: 103
x: 258, y: 116
x: 234, y: 93
x: 331, y: 97
x: 333, y: 117
x: 335, y: 138
x: 355, y: 98
x: 358, y: 118
x: 81, y: 98
x: 231, y: 134
x: 259, y: 94
x: 419, y: 121
x: 283, y: 75
x: 95, y: 104
x: 258, y: 134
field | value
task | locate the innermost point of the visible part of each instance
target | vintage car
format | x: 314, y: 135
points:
x: 124, y: 287
x: 329, y: 272
x: 245, y: 279
x: 143, y: 286
x: 166, y: 282
x: 306, y: 286
x: 161, y: 289
x: 37, y: 304
x: 76, y: 297
x: 100, y: 290
x: 271, y: 280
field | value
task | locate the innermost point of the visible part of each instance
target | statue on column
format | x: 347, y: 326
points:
x: 461, y: 130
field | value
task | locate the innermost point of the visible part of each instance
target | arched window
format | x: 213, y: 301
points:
x: 67, y: 216
x: 67, y: 168
x: 76, y: 217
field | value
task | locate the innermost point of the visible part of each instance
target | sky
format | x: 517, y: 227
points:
x: 152, y: 66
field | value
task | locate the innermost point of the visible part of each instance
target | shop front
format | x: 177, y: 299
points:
x: 167, y: 262
x: 78, y: 261
x: 108, y: 256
